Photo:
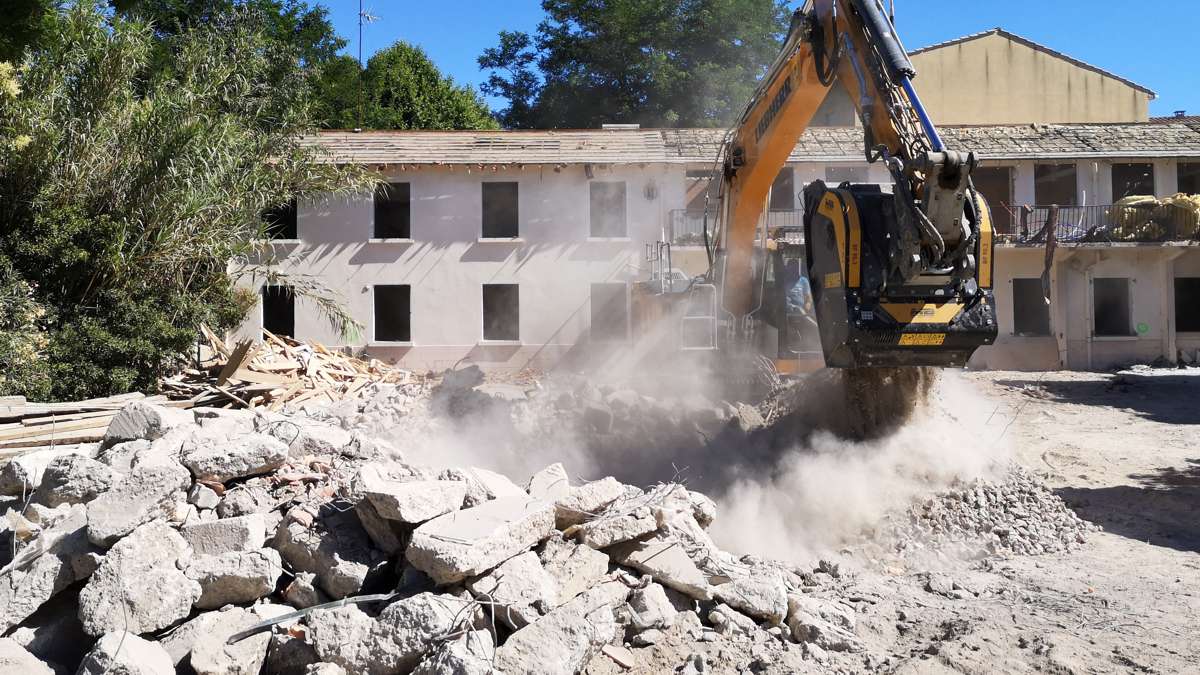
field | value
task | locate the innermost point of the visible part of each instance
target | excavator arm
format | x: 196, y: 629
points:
x: 898, y: 278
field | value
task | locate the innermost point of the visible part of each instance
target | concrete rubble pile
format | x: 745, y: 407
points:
x: 1015, y: 515
x: 150, y: 551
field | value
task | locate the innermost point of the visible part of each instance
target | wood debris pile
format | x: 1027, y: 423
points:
x: 30, y: 425
x: 276, y: 372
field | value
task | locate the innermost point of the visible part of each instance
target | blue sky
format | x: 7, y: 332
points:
x: 1152, y: 42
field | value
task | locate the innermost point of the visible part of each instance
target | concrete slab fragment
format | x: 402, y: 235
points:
x: 666, y: 561
x: 468, y: 543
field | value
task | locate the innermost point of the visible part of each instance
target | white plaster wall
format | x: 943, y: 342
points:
x: 555, y: 261
x: 1139, y: 265
x: 1187, y: 265
x: 1014, y: 352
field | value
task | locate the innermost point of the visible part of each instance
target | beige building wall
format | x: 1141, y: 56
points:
x: 997, y: 80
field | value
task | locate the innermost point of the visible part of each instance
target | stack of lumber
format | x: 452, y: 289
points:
x: 31, y: 425
x: 276, y: 372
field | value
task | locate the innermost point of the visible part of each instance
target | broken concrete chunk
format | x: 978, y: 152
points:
x: 287, y: 655
x: 413, y: 623
x: 575, y: 567
x: 482, y: 485
x: 14, y: 659
x: 244, y: 500
x: 761, y: 595
x: 343, y: 635
x: 828, y: 625
x: 121, y: 653
x: 302, y: 592
x: 395, y: 642
x: 389, y: 536
x: 221, y: 461
x: 211, y: 655
x: 585, y: 502
x: 305, y: 436
x: 203, y: 497
x: 470, y: 654
x: 651, y: 608
x: 139, y: 586
x: 20, y: 475
x: 179, y: 641
x: 226, y: 422
x: 614, y: 529
x: 666, y: 561
x: 53, y: 633
x: 551, y: 483
x: 704, y: 510
x: 140, y: 420
x: 335, y: 548
x: 60, y: 557
x: 564, y: 640
x: 497, y: 485
x: 468, y: 543
x: 520, y: 589
x: 120, y: 456
x: 74, y: 479
x: 148, y: 492
x: 244, y: 533
x: 726, y: 620
x: 324, y: 669
x: 236, y: 577
x: 411, y: 502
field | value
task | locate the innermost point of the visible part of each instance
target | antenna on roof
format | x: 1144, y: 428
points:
x: 364, y: 17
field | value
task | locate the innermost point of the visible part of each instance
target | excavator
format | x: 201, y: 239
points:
x: 896, y: 278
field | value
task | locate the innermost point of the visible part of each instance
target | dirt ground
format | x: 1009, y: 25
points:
x: 1123, y: 451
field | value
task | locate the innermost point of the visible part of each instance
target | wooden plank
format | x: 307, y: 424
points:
x: 12, y: 400
x: 215, y: 342
x: 241, y: 354
x: 57, y: 439
x: 58, y: 419
x: 276, y: 366
x: 246, y: 375
x: 228, y: 394
x: 97, y: 423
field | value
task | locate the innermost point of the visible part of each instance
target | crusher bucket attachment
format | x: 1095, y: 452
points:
x: 868, y: 313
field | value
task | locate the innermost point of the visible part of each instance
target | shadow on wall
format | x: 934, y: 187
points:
x: 1161, y: 511
x: 1168, y: 399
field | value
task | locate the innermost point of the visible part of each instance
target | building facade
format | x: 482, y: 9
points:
x: 997, y: 77
x: 515, y: 249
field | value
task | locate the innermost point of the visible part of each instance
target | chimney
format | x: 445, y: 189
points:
x: 1181, y: 113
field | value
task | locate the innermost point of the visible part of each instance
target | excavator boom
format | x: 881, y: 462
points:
x: 898, y: 276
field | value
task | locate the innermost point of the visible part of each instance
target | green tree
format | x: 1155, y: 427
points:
x: 24, y: 23
x: 304, y: 30
x: 337, y: 91
x: 653, y: 62
x: 128, y: 193
x: 403, y: 89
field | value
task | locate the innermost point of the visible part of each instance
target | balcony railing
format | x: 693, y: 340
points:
x: 685, y: 228
x: 1154, y: 222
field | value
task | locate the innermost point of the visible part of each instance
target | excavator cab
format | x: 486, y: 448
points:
x: 869, y: 313
x: 790, y: 335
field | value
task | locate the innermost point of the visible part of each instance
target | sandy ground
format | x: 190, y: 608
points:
x: 1123, y: 450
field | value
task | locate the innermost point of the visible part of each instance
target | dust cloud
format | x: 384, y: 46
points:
x: 838, y: 450
x: 828, y: 491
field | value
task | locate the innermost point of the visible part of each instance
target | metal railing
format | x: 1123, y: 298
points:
x: 685, y: 228
x: 1153, y: 222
